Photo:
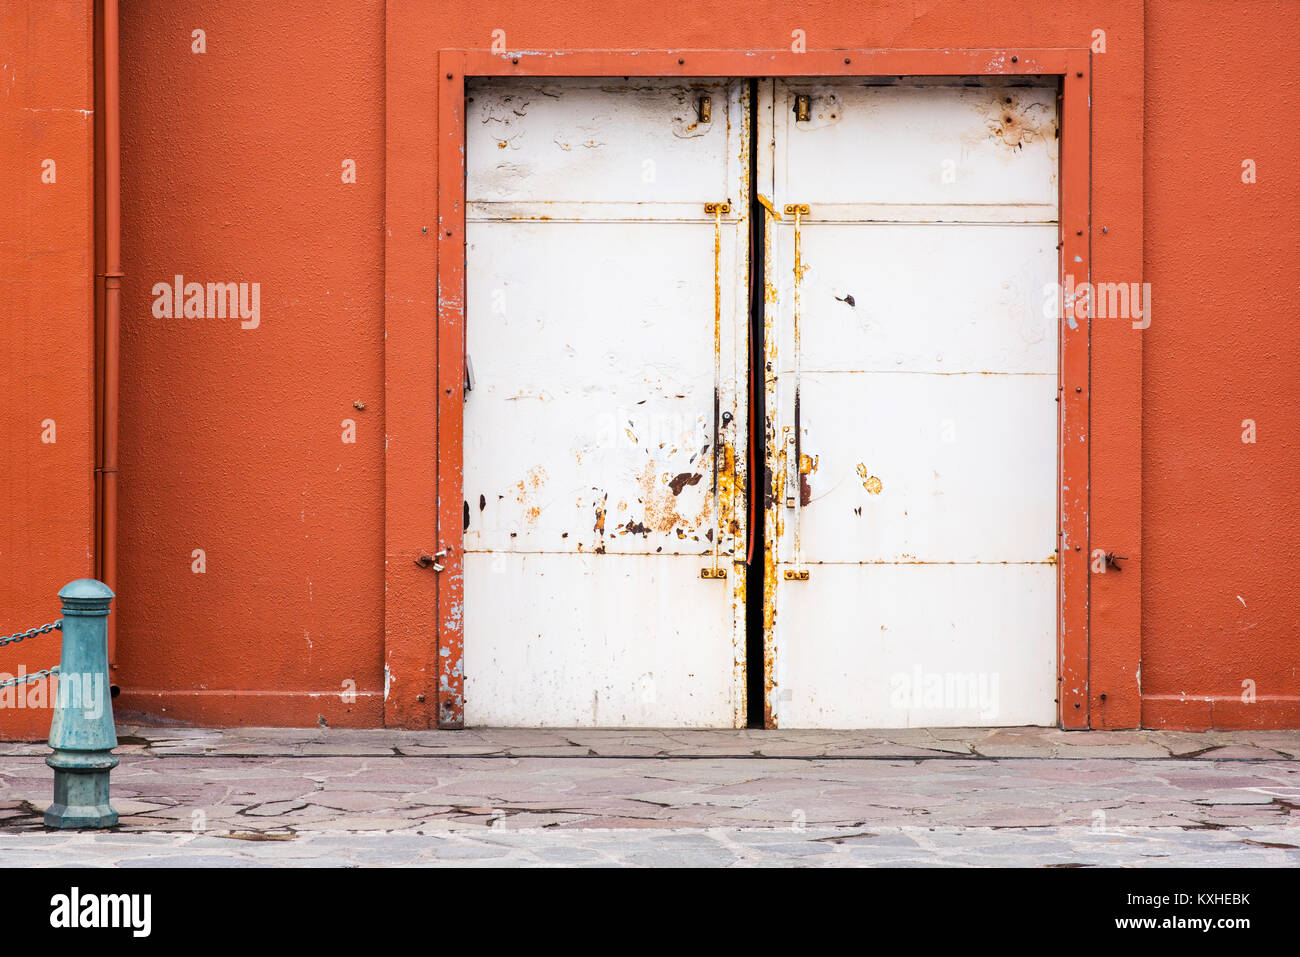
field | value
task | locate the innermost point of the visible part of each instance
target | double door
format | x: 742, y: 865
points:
x: 763, y: 403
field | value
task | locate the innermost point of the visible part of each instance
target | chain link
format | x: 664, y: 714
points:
x: 31, y: 677
x: 32, y: 633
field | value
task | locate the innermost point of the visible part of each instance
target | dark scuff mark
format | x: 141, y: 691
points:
x: 466, y: 528
x: 637, y: 528
x: 482, y: 502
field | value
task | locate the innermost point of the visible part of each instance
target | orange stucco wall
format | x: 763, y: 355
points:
x: 232, y: 437
x: 1221, y: 518
x: 46, y: 328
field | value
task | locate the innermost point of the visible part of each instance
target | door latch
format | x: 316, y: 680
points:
x: 791, y: 469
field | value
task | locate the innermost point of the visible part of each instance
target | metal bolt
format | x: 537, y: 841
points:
x: 1103, y: 229
x: 1015, y: 59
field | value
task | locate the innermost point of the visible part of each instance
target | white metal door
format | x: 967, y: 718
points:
x: 913, y: 373
x: 607, y: 343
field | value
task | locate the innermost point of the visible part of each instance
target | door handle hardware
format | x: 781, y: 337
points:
x: 796, y: 574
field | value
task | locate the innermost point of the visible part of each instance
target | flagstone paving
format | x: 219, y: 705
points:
x: 258, y: 797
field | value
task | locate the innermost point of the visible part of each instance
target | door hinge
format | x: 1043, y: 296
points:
x: 712, y: 208
x: 796, y: 574
x: 713, y: 573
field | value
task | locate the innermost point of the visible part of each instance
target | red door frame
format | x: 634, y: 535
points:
x: 1072, y: 66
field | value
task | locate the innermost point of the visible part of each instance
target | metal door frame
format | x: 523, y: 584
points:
x: 1072, y: 66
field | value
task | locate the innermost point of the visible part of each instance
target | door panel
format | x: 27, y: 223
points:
x: 607, y: 334
x: 911, y: 399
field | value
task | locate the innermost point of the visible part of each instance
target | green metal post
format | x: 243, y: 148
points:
x: 82, y: 733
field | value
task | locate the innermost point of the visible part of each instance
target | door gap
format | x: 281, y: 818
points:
x: 755, y: 686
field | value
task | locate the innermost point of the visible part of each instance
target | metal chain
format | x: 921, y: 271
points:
x: 31, y: 677
x: 32, y: 633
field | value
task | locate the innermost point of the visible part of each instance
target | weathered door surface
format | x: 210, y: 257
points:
x: 911, y: 400
x: 606, y: 420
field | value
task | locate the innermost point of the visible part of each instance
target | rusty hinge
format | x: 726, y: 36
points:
x: 800, y: 208
x: 706, y: 109
x: 796, y: 574
x: 713, y: 573
x: 712, y: 208
x: 802, y: 108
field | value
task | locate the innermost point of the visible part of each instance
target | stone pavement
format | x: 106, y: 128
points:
x: 961, y: 797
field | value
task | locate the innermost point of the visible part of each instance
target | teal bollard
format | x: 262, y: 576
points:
x: 82, y: 733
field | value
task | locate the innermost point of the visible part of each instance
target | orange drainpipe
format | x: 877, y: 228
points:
x: 112, y: 320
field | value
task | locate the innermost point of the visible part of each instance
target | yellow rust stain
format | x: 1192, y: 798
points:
x: 532, y: 481
x: 1016, y: 122
x: 870, y: 482
x: 660, y: 505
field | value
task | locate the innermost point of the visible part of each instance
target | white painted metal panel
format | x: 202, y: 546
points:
x: 617, y: 366
x: 591, y: 501
x: 925, y: 409
x: 960, y: 147
x: 917, y: 645
x: 597, y: 641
